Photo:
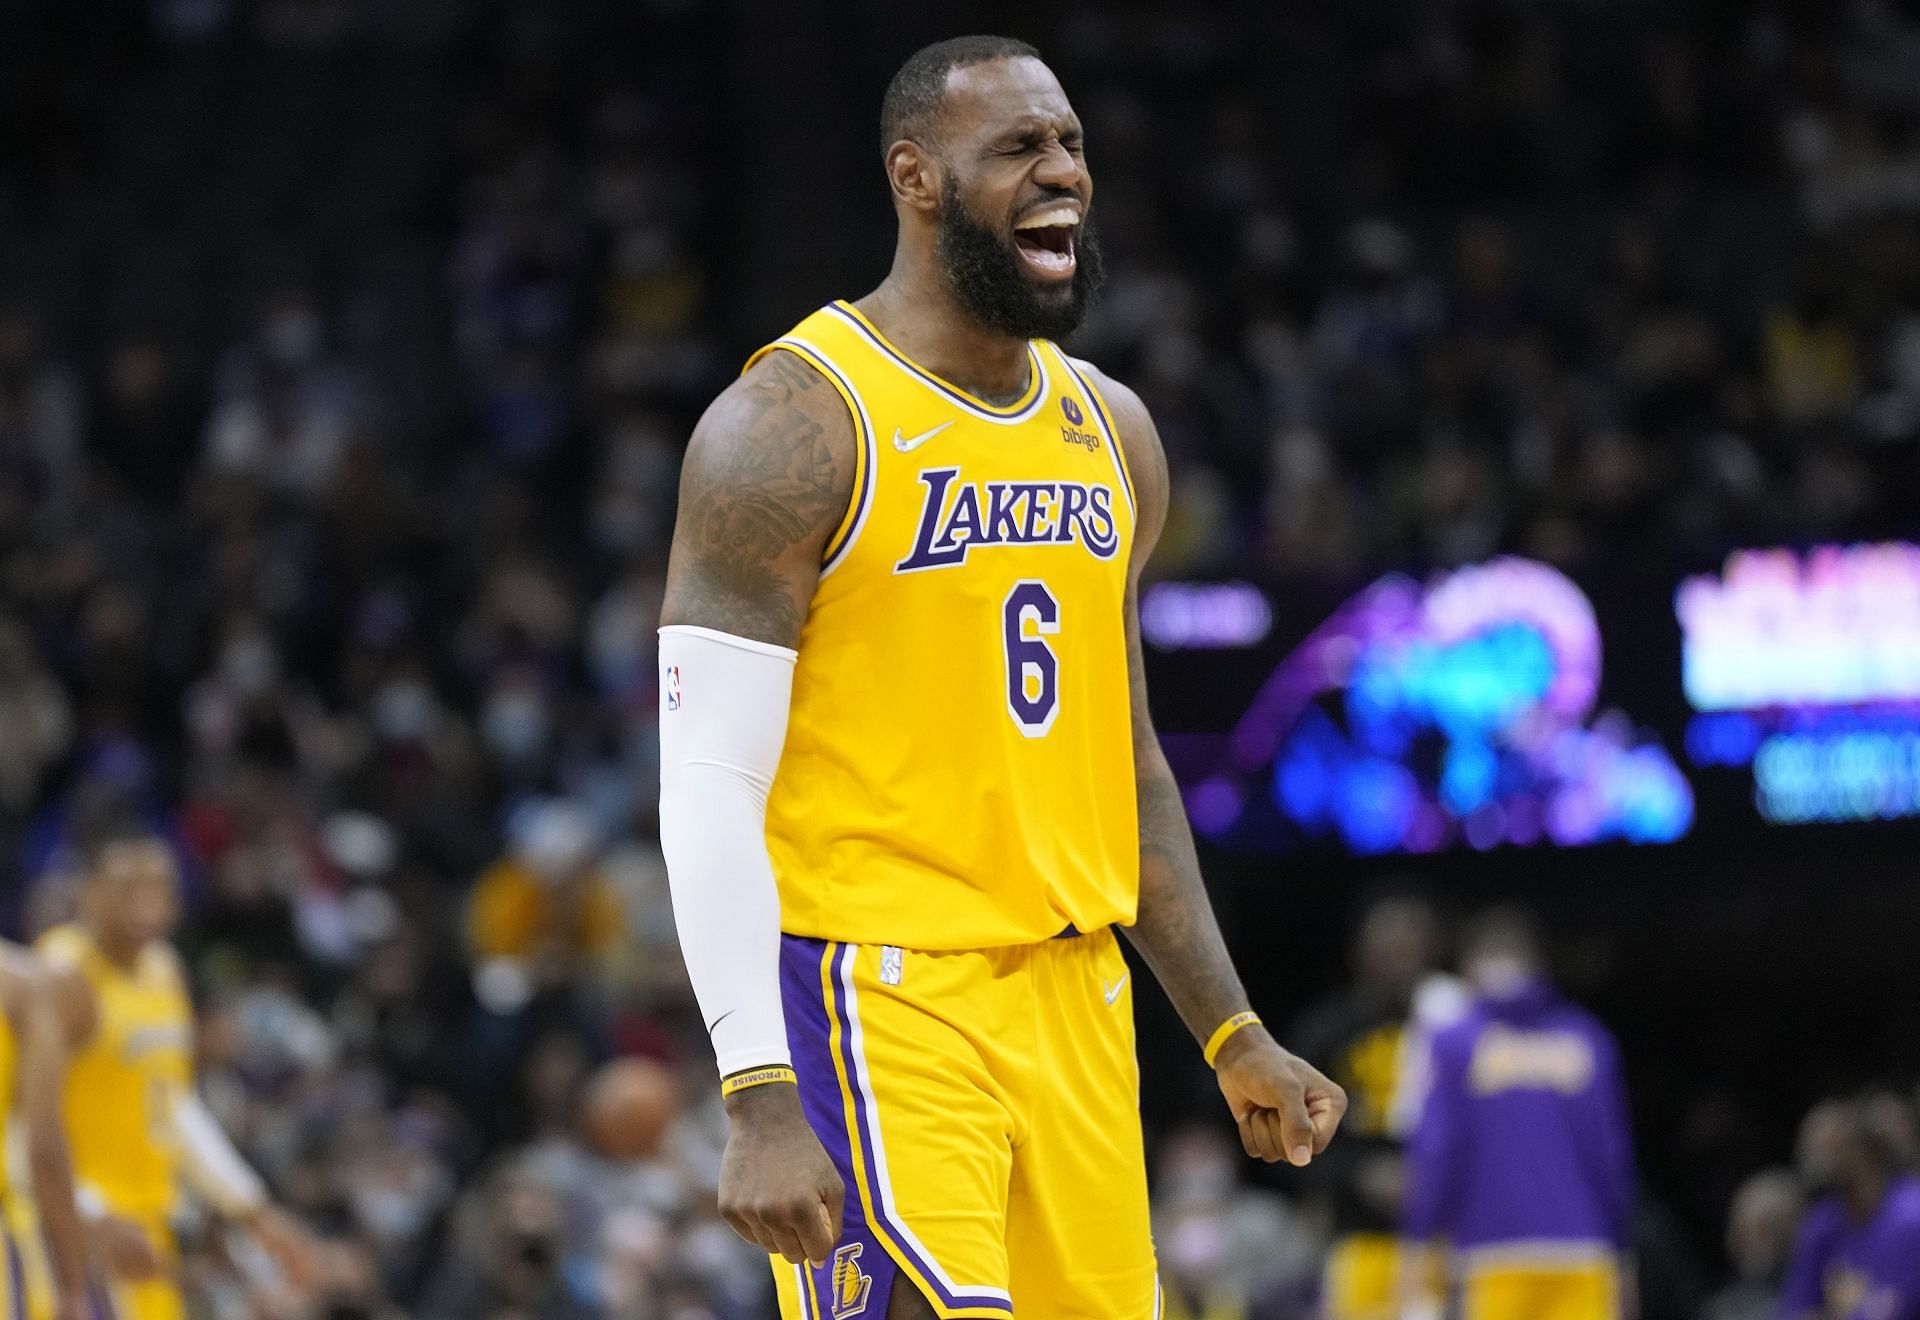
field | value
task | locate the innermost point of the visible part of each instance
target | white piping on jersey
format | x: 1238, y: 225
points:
x: 864, y: 497
x: 951, y: 393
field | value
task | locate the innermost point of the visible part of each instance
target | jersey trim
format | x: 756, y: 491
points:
x: 1017, y: 411
x: 1107, y: 427
x: 865, y: 458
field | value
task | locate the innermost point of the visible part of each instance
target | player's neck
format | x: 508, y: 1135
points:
x: 918, y: 315
x: 122, y: 955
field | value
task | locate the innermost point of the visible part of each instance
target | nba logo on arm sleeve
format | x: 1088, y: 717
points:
x: 673, y: 687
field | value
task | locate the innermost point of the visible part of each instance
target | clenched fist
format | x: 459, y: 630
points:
x: 778, y: 1188
x: 1286, y: 1108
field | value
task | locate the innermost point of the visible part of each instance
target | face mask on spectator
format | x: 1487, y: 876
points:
x: 1197, y: 1246
x: 390, y: 1213
x: 515, y: 724
x: 403, y: 710
x: 249, y: 665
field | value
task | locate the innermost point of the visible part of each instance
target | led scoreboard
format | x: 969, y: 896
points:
x: 1476, y: 708
x: 1804, y: 667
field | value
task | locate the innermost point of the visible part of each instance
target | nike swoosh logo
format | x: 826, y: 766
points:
x: 722, y: 1018
x: 907, y: 446
x: 1113, y: 991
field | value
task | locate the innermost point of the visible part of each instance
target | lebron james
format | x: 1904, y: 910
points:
x: 909, y: 787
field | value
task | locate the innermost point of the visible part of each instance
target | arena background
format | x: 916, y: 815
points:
x: 347, y: 350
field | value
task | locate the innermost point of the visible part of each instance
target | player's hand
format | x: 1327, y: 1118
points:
x: 70, y: 1307
x: 778, y: 1189
x: 286, y: 1240
x: 124, y: 1248
x: 1286, y: 1108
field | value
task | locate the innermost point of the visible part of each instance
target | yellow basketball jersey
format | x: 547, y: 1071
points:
x: 121, y: 1088
x: 958, y: 770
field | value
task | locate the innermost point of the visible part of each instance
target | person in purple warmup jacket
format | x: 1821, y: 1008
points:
x: 1858, y: 1254
x: 1521, y: 1166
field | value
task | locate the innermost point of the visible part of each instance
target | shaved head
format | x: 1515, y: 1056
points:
x: 911, y: 108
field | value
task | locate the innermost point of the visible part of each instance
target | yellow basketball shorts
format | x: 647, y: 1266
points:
x: 1362, y: 1278
x: 1584, y: 1291
x: 155, y: 1299
x: 983, y: 1109
x: 152, y: 1299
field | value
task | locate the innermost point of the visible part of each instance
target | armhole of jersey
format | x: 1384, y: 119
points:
x: 1105, y: 422
x: 864, y: 458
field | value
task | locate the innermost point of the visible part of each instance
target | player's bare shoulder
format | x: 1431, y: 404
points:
x: 1140, y: 442
x: 768, y: 475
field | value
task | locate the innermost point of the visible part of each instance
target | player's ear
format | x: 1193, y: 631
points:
x: 913, y: 173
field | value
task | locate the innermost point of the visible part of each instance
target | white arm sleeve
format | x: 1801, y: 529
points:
x: 212, y: 1166
x: 723, y: 721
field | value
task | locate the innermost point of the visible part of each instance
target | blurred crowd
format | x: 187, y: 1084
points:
x: 346, y: 354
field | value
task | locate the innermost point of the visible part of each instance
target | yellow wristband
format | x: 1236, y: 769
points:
x: 742, y: 1081
x: 1225, y: 1030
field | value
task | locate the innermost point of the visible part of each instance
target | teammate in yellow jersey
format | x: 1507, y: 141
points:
x: 32, y: 1053
x: 909, y: 786
x: 133, y: 1121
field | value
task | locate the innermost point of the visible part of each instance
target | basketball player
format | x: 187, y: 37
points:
x: 132, y: 1118
x: 32, y: 1054
x: 1521, y: 1175
x: 1364, y: 1035
x: 909, y: 784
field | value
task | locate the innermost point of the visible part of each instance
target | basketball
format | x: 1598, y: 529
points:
x: 628, y: 1107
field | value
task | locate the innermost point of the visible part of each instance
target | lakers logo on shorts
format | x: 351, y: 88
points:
x: 851, y: 1284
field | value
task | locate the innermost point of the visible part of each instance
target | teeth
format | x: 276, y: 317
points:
x: 1053, y: 215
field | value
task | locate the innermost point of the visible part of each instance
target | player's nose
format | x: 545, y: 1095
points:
x: 1060, y: 169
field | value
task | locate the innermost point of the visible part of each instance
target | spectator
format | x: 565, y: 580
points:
x: 286, y: 410
x: 1858, y: 1253
x: 1761, y: 1226
x: 1223, y: 1247
x: 42, y: 415
x: 546, y: 905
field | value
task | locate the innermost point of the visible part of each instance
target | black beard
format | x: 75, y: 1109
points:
x: 986, y: 273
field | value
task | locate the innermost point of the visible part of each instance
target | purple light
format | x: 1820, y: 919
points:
x: 1500, y: 663
x: 1211, y: 806
x: 1204, y: 616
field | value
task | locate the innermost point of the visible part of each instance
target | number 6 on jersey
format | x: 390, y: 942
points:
x: 1033, y: 671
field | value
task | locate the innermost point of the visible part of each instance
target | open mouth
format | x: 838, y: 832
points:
x: 1045, y: 240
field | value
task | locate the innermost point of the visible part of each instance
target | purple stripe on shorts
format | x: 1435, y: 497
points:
x: 16, y: 1279
x: 858, y: 1253
x: 843, y: 978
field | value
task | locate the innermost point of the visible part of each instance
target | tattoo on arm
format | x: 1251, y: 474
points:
x: 767, y: 478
